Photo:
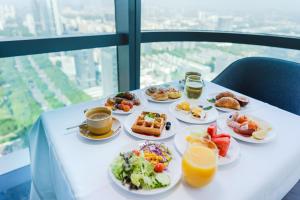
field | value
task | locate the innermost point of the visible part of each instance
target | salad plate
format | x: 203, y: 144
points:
x: 200, y: 130
x: 162, y: 125
x: 192, y: 113
x: 146, y: 168
x: 263, y: 132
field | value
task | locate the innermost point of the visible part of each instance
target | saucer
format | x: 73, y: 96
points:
x: 115, y: 130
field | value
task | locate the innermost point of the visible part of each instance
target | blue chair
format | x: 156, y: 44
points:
x: 274, y: 81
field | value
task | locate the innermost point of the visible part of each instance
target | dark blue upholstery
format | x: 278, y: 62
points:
x: 274, y: 81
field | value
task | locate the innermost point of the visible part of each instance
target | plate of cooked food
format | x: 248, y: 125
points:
x: 162, y: 94
x: 201, y: 113
x: 151, y: 125
x: 123, y: 103
x: 246, y: 127
x: 228, y: 147
x: 228, y: 101
x: 146, y: 168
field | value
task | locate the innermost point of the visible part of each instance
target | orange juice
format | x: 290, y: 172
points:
x: 199, y: 165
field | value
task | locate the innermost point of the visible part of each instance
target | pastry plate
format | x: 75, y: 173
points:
x: 174, y: 171
x: 165, y: 133
x: 211, y: 115
x: 149, y: 98
x: 116, y: 128
x: 181, y: 144
x: 222, y: 124
x: 243, y: 109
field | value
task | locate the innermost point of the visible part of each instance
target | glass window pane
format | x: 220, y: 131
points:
x: 32, y: 84
x: 168, y: 61
x: 256, y: 16
x: 29, y: 18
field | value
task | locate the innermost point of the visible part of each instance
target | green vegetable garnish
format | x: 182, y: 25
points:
x: 207, y: 108
x: 212, y: 100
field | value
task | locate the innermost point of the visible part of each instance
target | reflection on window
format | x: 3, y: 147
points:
x: 256, y: 16
x: 55, y: 17
x: 165, y: 62
x: 30, y: 85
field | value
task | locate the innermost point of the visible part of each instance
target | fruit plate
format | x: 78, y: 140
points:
x: 181, y: 144
x: 173, y: 171
x: 165, y: 133
x: 211, y: 115
x: 222, y: 124
x: 243, y: 109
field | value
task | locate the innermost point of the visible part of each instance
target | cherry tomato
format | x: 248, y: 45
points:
x: 136, y: 152
x: 159, y: 167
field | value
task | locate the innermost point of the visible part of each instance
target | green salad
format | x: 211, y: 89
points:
x: 135, y: 171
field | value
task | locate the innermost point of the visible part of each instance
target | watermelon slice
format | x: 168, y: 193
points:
x: 212, y: 130
x: 223, y: 144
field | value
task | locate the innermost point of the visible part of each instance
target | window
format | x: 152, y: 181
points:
x: 256, y: 16
x: 165, y: 62
x: 32, y: 84
x: 30, y: 18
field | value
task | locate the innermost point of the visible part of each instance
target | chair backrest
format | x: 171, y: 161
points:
x: 274, y: 81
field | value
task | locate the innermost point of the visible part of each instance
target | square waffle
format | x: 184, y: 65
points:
x: 144, y: 127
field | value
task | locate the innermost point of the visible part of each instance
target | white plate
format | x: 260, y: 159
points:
x: 121, y: 112
x: 222, y: 124
x: 211, y: 115
x: 164, y: 135
x: 116, y: 128
x: 243, y: 109
x: 149, y: 98
x: 181, y: 144
x: 174, y: 172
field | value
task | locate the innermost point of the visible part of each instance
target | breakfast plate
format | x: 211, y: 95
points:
x: 238, y: 102
x: 115, y: 130
x: 151, y: 180
x: 147, y: 126
x: 162, y: 94
x: 201, y: 113
x: 262, y: 134
x: 181, y: 143
x: 123, y: 103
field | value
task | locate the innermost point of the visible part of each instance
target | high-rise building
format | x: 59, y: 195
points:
x: 109, y: 73
x: 85, y: 69
x: 47, y: 17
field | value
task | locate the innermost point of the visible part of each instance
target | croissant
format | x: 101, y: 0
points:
x: 225, y: 94
x: 228, y: 102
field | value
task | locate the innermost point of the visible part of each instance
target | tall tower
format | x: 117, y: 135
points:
x: 109, y: 73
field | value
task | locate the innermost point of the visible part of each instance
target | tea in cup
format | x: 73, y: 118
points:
x: 99, y: 120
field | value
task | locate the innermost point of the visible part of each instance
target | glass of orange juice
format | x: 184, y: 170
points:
x: 199, y: 163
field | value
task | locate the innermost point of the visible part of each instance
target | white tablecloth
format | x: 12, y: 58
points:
x: 65, y: 166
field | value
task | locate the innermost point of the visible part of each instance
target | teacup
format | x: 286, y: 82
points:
x: 99, y: 120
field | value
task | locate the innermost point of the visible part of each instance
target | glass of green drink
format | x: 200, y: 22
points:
x: 194, y: 87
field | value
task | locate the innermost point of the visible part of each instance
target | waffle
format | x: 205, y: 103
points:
x: 155, y: 128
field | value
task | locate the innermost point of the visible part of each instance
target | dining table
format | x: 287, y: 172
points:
x: 65, y: 165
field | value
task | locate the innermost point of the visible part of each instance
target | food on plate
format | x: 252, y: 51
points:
x: 248, y: 127
x: 163, y: 94
x: 184, y: 106
x: 196, y: 112
x: 143, y: 168
x: 173, y: 93
x: 160, y: 95
x: 228, y: 102
x: 222, y: 141
x: 151, y: 90
x: 150, y: 123
x: 123, y: 101
x: 225, y: 94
